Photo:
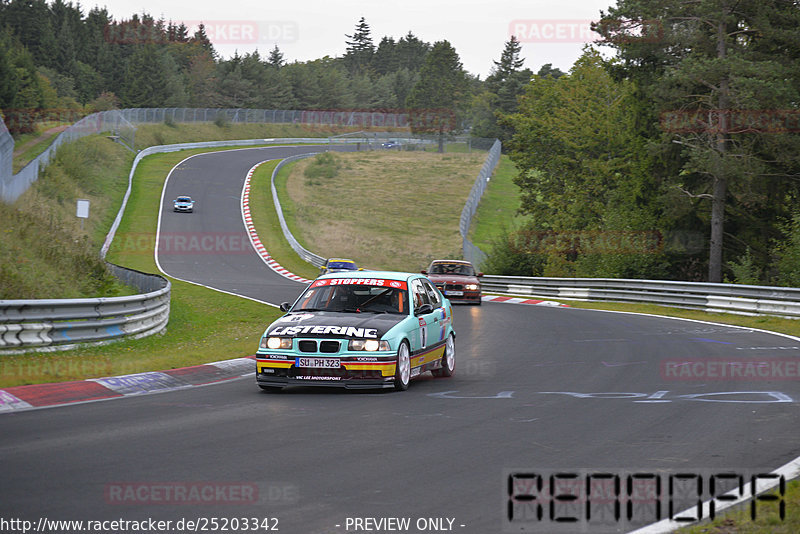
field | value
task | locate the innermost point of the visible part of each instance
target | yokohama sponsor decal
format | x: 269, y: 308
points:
x: 346, y: 331
x: 360, y: 282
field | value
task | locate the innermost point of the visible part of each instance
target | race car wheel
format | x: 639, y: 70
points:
x: 271, y: 389
x: 402, y: 373
x: 448, y: 359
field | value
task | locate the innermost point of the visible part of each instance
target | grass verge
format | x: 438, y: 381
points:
x: 498, y: 209
x: 204, y: 326
x: 385, y: 209
x: 26, y: 146
x: 266, y: 221
x: 767, y: 521
x: 45, y: 251
x: 163, y: 134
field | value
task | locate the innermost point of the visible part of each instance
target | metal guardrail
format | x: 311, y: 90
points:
x: 307, y: 255
x: 122, y: 123
x: 29, y: 325
x: 471, y: 252
x: 52, y: 324
x: 730, y: 298
x: 12, y: 186
x: 160, y: 149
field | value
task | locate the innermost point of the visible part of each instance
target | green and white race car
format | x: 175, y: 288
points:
x: 370, y: 329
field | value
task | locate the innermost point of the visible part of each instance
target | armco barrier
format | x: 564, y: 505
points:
x: 310, y: 257
x: 731, y: 298
x: 160, y: 149
x: 470, y: 252
x: 122, y: 123
x: 27, y: 325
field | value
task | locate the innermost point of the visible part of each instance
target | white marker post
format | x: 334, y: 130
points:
x: 82, y: 210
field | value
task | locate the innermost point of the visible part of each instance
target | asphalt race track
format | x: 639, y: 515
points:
x: 220, y: 255
x: 536, y: 389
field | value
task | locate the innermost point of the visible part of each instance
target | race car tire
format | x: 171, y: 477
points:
x: 448, y: 359
x: 271, y: 389
x: 402, y: 373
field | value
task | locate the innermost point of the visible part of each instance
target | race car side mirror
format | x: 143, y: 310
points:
x: 423, y: 309
x: 480, y: 274
x: 284, y: 307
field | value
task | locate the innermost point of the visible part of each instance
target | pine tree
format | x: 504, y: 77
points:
x: 275, y: 58
x: 145, y: 79
x: 360, y: 49
x: 30, y: 21
x: 201, y: 39
x: 9, y: 82
x: 711, y: 59
x: 440, y: 94
x: 509, y: 64
x: 504, y: 86
x: 385, y: 60
x: 411, y: 52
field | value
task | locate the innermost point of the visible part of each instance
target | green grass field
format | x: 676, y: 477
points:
x: 204, y: 325
x: 384, y: 209
x: 498, y: 208
x: 767, y: 521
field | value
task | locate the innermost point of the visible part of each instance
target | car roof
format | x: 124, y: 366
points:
x: 451, y: 261
x: 340, y: 260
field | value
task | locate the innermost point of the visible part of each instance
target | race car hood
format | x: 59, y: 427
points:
x: 363, y: 325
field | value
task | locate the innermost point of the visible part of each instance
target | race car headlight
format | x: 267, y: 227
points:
x: 472, y: 287
x: 368, y: 344
x: 276, y: 343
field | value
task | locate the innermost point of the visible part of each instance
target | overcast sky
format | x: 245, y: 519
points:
x: 551, y: 32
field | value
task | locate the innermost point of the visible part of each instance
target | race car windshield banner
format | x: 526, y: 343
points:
x: 377, y: 282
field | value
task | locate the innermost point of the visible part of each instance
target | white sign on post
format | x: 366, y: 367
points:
x: 82, y: 210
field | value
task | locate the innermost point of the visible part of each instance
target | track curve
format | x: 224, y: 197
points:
x: 535, y: 388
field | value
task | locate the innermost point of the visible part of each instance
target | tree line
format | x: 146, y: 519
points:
x: 677, y: 158
x: 55, y: 56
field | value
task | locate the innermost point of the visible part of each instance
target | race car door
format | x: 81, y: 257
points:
x: 428, y: 320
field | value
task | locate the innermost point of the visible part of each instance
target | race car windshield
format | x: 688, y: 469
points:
x: 184, y: 199
x: 354, y: 298
x: 342, y: 265
x: 453, y: 268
